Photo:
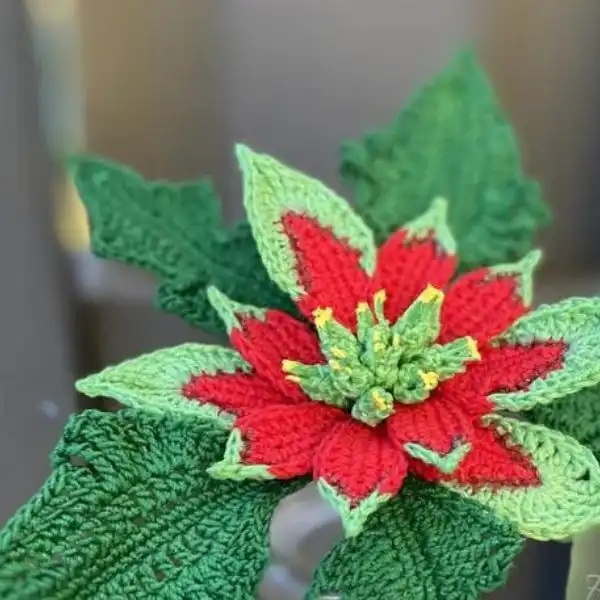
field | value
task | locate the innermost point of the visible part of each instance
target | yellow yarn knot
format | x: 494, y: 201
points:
x: 322, y: 316
x: 431, y: 294
x: 430, y: 379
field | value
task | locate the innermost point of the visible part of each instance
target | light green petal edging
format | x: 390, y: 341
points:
x: 446, y: 463
x: 568, y: 500
x: 353, y: 519
x: 522, y: 271
x: 154, y: 381
x: 229, y: 310
x: 231, y: 467
x: 435, y: 220
x: 575, y: 321
x: 271, y: 190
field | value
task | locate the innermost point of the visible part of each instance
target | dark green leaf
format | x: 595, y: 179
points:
x: 176, y: 232
x: 129, y: 513
x: 427, y: 544
x: 452, y: 140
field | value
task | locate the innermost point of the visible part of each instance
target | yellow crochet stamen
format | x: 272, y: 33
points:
x: 288, y: 366
x: 339, y: 353
x: 335, y: 365
x: 322, y: 315
x: 430, y: 379
x: 379, y: 296
x: 378, y: 401
x: 475, y: 355
x: 431, y: 294
x: 362, y: 307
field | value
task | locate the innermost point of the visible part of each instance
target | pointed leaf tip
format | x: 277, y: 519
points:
x: 434, y: 221
x: 229, y: 310
x: 523, y: 270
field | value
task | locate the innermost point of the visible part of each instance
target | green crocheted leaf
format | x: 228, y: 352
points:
x: 426, y: 544
x: 155, y: 381
x: 578, y: 415
x: 130, y: 514
x: 574, y: 322
x: 568, y: 499
x: 452, y: 140
x: 174, y: 231
x: 272, y: 190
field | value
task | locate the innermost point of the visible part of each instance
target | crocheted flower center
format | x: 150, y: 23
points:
x: 382, y: 364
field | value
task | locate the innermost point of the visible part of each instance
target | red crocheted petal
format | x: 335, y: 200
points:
x: 266, y: 343
x: 480, y: 304
x: 358, y: 460
x: 285, y: 437
x: 490, y: 462
x: 404, y: 269
x: 438, y: 423
x: 329, y: 269
x: 237, y: 393
x: 509, y: 368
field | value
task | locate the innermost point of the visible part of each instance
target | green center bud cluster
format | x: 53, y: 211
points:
x: 369, y: 372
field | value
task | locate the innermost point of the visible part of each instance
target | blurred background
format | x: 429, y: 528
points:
x: 167, y: 87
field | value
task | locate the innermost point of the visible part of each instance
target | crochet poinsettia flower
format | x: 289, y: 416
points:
x: 395, y: 366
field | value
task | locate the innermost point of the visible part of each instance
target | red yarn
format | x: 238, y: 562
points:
x: 438, y: 423
x: 404, y: 270
x: 358, y: 459
x: 491, y: 460
x: 293, y: 435
x: 265, y: 344
x: 238, y: 393
x: 510, y: 368
x: 286, y: 437
x: 480, y: 304
x: 329, y: 268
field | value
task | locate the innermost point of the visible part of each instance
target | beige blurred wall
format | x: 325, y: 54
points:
x: 172, y: 85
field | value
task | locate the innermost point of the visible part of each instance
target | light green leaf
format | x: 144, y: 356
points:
x: 568, y: 500
x: 452, y: 140
x: 129, y: 513
x: 417, y: 547
x: 576, y: 322
x: 154, y: 382
x: 271, y: 189
x: 577, y: 415
x: 175, y: 231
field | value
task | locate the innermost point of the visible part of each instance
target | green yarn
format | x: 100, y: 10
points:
x: 130, y: 514
x: 434, y: 220
x: 575, y: 321
x: 154, y: 382
x: 383, y: 363
x: 231, y: 467
x: 175, y: 231
x: 272, y: 189
x: 446, y: 463
x: 452, y: 140
x: 353, y: 517
x: 565, y: 504
x: 577, y: 415
x: 426, y: 544
x: 522, y: 271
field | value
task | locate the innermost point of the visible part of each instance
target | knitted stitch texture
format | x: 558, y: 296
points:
x: 394, y: 367
x: 452, y: 139
x: 175, y: 231
x: 399, y: 369
x: 129, y: 513
x: 436, y: 547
